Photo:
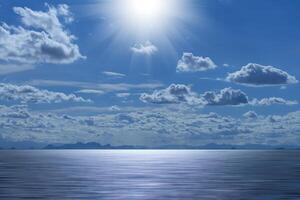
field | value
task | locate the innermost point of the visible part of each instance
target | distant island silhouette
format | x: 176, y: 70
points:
x: 95, y: 145
x: 91, y: 145
x: 212, y: 146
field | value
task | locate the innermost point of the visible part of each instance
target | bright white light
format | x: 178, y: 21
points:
x: 146, y: 9
x: 144, y: 13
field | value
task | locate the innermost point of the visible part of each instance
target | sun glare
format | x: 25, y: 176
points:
x: 144, y: 13
x: 146, y: 9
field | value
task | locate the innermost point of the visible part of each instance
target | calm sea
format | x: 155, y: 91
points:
x: 149, y: 174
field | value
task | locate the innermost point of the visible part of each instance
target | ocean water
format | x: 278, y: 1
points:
x: 149, y: 174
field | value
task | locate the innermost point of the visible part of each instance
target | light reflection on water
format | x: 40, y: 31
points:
x: 149, y: 174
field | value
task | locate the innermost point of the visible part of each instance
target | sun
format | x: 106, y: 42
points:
x: 142, y: 20
x: 146, y: 9
x: 143, y: 14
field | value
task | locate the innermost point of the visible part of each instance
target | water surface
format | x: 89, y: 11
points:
x: 149, y: 174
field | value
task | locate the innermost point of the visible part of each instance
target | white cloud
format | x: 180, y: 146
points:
x: 175, y: 93
x: 106, y: 87
x: 273, y: 100
x: 41, y: 39
x: 191, y: 63
x: 123, y: 94
x: 90, y: 91
x: 250, y: 115
x: 259, y: 75
x: 114, y: 108
x: 226, y: 96
x: 146, y: 48
x: 149, y: 126
x: 29, y: 94
x: 178, y: 93
x: 114, y: 74
x: 63, y: 10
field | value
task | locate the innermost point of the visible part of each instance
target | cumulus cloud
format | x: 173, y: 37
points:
x: 146, y: 48
x: 41, y: 39
x: 250, y: 115
x: 259, y: 75
x: 29, y: 94
x: 191, y: 63
x: 226, y: 96
x: 63, y: 10
x: 177, y: 93
x: 273, y: 100
x: 13, y: 112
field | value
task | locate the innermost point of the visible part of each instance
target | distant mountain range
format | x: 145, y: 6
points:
x: 94, y: 145
x: 90, y: 145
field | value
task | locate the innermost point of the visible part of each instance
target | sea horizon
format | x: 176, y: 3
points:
x: 150, y: 100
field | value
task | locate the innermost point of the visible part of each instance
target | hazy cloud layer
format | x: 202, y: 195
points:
x: 255, y: 74
x: 41, y: 39
x: 146, y: 48
x: 29, y: 94
x: 106, y: 87
x: 191, y: 63
x: 90, y: 91
x: 123, y: 94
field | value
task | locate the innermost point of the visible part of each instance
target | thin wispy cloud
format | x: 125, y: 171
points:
x: 106, y: 87
x: 90, y: 91
x: 113, y: 74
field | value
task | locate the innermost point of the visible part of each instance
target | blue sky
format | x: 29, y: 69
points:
x: 150, y: 72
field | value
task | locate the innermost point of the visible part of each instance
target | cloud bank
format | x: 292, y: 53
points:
x: 150, y: 127
x: 29, y: 94
x: 178, y: 93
